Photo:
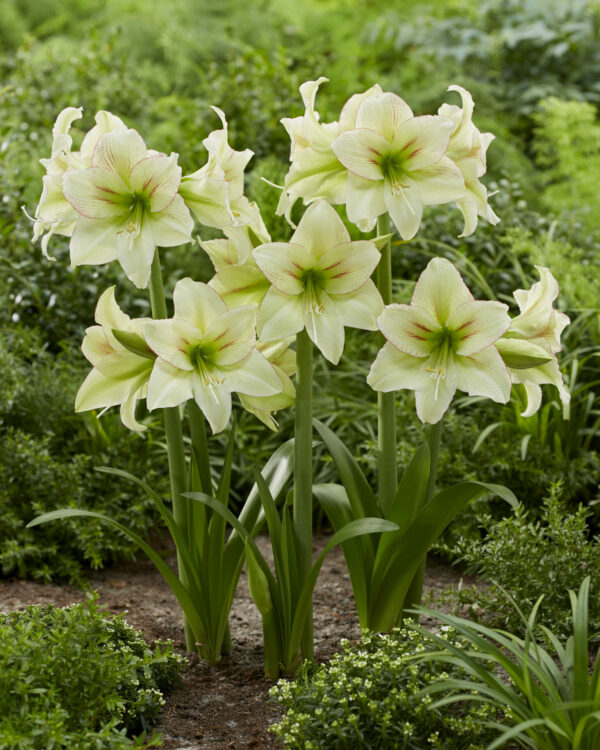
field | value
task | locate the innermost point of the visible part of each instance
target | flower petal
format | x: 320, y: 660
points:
x: 282, y: 263
x: 478, y: 324
x: 320, y: 229
x: 158, y: 178
x: 172, y: 226
x: 326, y: 330
x: 168, y: 386
x: 361, y: 152
x: 172, y: 340
x: 240, y: 285
x: 280, y: 315
x: 408, y: 328
x: 439, y: 183
x: 215, y: 402
x: 94, y: 241
x: 119, y: 151
x: 440, y: 289
x: 135, y: 252
x: 233, y: 335
x: 405, y: 207
x: 197, y: 303
x: 254, y: 376
x: 423, y: 140
x: 383, y: 113
x: 364, y: 199
x: 394, y: 370
x: 347, y: 266
x: 484, y: 374
x: 360, y: 309
x: 96, y: 193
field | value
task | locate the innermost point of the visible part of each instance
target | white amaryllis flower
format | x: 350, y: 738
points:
x: 397, y: 164
x: 535, y: 335
x: 441, y: 342
x: 128, y: 205
x: 316, y: 172
x: 215, y: 192
x: 320, y: 282
x: 54, y: 214
x: 121, y: 359
x: 205, y: 352
x: 467, y: 149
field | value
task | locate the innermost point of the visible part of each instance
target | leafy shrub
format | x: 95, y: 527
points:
x: 567, y: 143
x: 520, y: 51
x: 47, y: 460
x: 71, y: 678
x: 367, y: 696
x: 524, y: 557
x: 551, y: 698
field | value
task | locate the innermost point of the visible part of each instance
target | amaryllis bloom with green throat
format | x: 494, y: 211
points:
x: 397, y: 163
x: 128, y: 205
x: 320, y: 282
x: 441, y: 342
x: 205, y: 352
x: 54, y: 214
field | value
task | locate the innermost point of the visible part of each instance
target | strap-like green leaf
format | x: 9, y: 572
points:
x: 183, y: 596
x: 355, y: 528
x: 359, y: 491
x: 389, y: 590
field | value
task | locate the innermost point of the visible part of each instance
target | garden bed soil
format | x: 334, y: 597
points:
x: 223, y: 706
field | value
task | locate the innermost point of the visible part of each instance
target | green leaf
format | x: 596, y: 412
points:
x: 353, y: 529
x: 334, y: 500
x: 258, y: 584
x: 171, y: 524
x: 359, y: 492
x: 388, y: 591
x: 176, y: 586
x: 410, y: 497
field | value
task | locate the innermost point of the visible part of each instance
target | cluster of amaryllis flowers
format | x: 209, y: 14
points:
x: 380, y: 158
x: 116, y: 199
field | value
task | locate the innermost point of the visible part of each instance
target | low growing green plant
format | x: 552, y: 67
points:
x: 524, y: 557
x: 551, y: 699
x: 368, y: 696
x: 71, y: 678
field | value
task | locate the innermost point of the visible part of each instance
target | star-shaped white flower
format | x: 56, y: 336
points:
x: 397, y: 163
x: 54, y: 214
x: 128, y: 205
x: 441, y: 342
x: 205, y: 352
x: 321, y: 282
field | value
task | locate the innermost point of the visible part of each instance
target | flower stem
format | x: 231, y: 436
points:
x: 174, y: 438
x: 415, y: 591
x: 386, y: 402
x: 302, y: 513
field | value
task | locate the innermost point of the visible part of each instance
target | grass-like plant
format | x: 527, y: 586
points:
x: 551, y: 700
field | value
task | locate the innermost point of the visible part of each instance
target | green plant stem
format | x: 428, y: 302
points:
x: 302, y: 513
x: 386, y: 402
x: 414, y: 594
x: 174, y: 438
x: 200, y: 445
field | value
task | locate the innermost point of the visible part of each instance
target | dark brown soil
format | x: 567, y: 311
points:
x: 224, y: 706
